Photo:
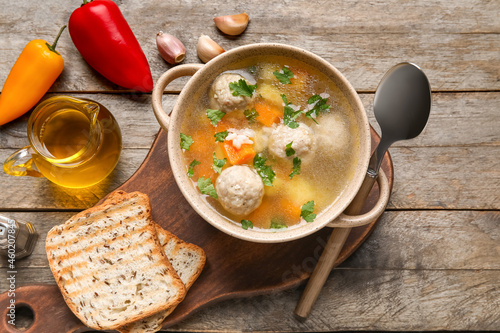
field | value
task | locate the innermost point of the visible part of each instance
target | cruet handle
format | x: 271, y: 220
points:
x: 15, y: 166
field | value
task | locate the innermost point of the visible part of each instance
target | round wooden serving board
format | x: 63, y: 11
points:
x: 234, y: 268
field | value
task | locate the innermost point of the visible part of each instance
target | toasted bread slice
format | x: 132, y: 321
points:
x: 110, y: 266
x: 188, y: 260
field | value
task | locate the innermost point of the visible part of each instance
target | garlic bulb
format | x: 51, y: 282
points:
x: 207, y: 49
x: 232, y: 24
x: 171, y: 48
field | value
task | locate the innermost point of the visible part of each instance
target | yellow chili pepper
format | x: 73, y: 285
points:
x: 36, y: 69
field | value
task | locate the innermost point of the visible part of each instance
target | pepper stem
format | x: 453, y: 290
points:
x: 84, y: 2
x: 53, y: 46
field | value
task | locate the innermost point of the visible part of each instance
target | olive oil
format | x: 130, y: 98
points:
x: 78, y: 149
x: 65, y: 133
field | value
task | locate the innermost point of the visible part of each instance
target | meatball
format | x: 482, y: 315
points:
x: 240, y: 189
x: 333, y: 134
x: 302, y: 139
x: 222, y: 98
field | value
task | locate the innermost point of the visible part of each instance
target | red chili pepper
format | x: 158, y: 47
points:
x: 104, y: 39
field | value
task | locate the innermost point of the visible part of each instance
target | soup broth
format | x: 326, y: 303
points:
x: 295, y: 130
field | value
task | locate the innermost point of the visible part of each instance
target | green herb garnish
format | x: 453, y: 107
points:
x: 277, y: 223
x: 265, y: 171
x: 206, y: 187
x: 191, y: 167
x: 215, y: 116
x: 306, y: 211
x: 186, y: 141
x: 251, y: 115
x: 218, y: 164
x: 284, y: 76
x: 221, y: 136
x: 253, y: 70
x: 296, y: 167
x: 289, y: 150
x: 290, y: 115
x: 246, y: 224
x: 319, y: 107
x: 242, y: 88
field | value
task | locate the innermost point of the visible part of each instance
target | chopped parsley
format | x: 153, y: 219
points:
x: 265, y: 171
x: 242, y: 88
x: 284, y: 75
x: 186, y: 141
x: 320, y: 106
x: 277, y: 223
x: 206, y: 187
x: 289, y: 150
x: 296, y: 167
x: 246, y: 224
x: 253, y: 70
x: 306, y: 211
x: 251, y: 115
x: 218, y: 164
x: 215, y: 116
x: 191, y: 167
x: 290, y: 115
x: 221, y: 136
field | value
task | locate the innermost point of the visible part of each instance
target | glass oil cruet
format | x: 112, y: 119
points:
x: 73, y: 142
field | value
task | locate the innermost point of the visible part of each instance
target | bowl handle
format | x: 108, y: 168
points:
x: 351, y: 221
x: 167, y: 77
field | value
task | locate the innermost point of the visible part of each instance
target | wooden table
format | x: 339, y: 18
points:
x: 432, y: 263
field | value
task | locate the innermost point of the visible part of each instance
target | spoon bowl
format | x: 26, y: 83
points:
x: 401, y: 105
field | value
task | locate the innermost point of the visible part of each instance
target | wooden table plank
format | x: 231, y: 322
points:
x: 403, y: 240
x: 357, y: 299
x: 371, y: 300
x: 457, y: 43
x: 457, y: 119
x: 425, y: 178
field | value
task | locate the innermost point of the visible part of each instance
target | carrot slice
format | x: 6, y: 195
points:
x: 238, y: 156
x: 268, y: 113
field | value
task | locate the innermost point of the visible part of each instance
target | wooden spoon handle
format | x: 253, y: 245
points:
x: 330, y: 253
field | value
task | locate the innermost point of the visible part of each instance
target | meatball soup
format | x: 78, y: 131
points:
x: 270, y: 143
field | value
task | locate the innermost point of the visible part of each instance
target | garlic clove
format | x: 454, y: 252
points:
x: 170, y: 48
x: 232, y: 24
x: 207, y: 49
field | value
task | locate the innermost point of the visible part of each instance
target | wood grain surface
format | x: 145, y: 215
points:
x: 433, y: 261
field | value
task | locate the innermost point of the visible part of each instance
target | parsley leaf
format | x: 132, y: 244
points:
x: 320, y: 106
x: 296, y: 167
x: 285, y: 76
x: 242, y: 88
x: 245, y: 224
x: 218, y: 164
x: 277, y: 223
x: 265, y: 171
x: 221, y: 136
x: 289, y: 150
x: 306, y: 211
x: 251, y: 115
x: 206, y: 187
x: 191, y: 168
x: 215, y: 116
x: 290, y: 115
x: 186, y: 141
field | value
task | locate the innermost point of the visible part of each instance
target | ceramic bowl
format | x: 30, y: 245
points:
x: 201, y: 74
